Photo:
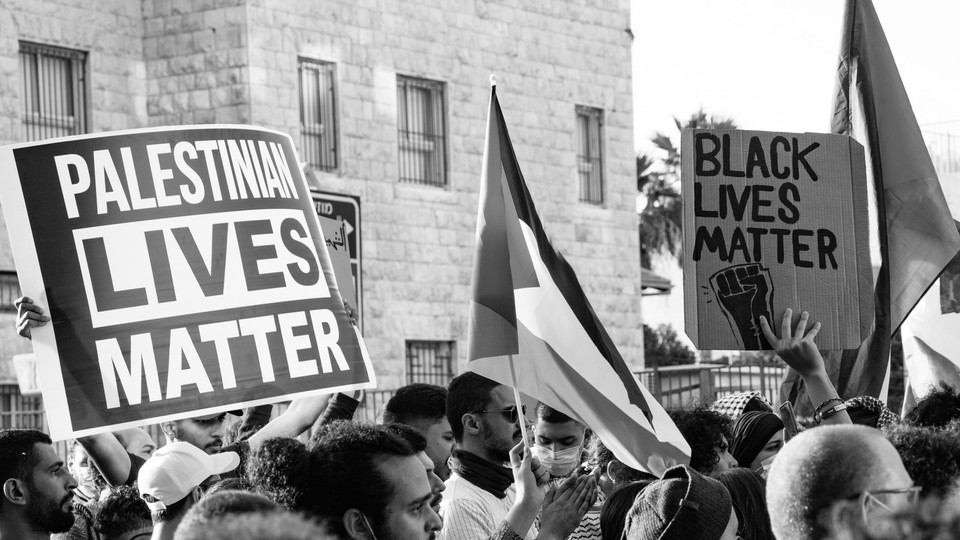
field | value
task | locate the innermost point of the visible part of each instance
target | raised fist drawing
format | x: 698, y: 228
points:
x: 745, y: 292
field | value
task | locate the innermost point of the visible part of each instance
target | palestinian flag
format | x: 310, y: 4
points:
x: 528, y: 309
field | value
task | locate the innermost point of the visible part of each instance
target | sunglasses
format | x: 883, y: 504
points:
x: 510, y: 413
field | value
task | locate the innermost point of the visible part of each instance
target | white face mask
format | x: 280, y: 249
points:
x: 559, y: 463
x: 764, y: 468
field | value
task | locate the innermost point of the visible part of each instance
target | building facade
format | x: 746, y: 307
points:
x: 387, y: 102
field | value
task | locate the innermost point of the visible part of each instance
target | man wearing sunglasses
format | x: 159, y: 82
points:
x: 828, y: 464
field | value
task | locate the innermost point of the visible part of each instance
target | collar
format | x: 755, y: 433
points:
x: 488, y: 476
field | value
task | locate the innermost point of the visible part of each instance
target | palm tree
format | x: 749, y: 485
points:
x: 658, y: 182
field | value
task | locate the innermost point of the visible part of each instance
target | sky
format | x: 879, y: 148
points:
x: 771, y: 64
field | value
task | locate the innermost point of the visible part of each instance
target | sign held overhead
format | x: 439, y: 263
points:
x: 774, y: 221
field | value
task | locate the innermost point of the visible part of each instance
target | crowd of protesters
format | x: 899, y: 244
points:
x: 452, y: 463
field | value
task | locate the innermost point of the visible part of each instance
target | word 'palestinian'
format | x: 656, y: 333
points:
x: 184, y: 173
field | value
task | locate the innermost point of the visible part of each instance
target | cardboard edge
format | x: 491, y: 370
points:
x: 691, y: 322
x: 862, y: 232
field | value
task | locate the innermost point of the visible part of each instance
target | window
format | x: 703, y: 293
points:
x: 420, y: 119
x: 590, y: 154
x: 318, y: 114
x: 430, y: 362
x: 9, y: 290
x: 54, y: 91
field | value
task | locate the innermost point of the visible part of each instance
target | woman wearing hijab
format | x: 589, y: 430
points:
x: 757, y: 437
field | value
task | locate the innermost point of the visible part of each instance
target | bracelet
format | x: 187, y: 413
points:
x: 828, y: 400
x: 820, y: 417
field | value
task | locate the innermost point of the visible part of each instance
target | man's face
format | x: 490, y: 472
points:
x: 559, y: 436
x: 436, y: 484
x: 50, y: 492
x: 439, y: 443
x: 408, y: 514
x: 499, y: 434
x: 206, y: 434
x: 137, y: 441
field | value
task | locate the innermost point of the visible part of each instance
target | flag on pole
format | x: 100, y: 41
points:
x: 916, y: 235
x: 528, y: 308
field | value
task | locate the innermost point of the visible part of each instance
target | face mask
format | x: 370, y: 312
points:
x: 764, y: 469
x: 559, y: 463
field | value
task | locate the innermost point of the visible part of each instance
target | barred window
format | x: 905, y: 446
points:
x: 590, y: 154
x: 430, y: 362
x: 318, y: 114
x: 9, y: 290
x: 54, y: 91
x: 422, y: 131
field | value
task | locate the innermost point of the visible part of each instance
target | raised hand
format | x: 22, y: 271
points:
x: 796, y: 347
x: 744, y: 293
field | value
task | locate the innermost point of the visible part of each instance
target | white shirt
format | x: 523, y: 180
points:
x: 472, y: 513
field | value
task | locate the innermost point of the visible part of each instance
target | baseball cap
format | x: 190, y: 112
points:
x: 176, y: 469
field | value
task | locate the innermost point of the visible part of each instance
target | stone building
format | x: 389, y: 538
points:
x: 387, y: 101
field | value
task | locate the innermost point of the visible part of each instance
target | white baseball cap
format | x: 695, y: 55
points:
x: 175, y: 470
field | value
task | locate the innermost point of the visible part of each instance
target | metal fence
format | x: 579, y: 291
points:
x: 672, y: 386
x: 943, y: 143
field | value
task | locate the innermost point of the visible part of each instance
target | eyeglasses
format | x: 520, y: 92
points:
x: 887, y: 500
x: 509, y: 413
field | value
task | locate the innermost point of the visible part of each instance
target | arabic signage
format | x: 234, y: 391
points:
x: 346, y: 209
x: 184, y: 271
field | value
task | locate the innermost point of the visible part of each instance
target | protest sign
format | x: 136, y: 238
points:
x: 774, y: 221
x: 184, y: 271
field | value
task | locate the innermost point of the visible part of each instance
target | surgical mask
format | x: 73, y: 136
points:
x: 764, y: 468
x: 560, y: 463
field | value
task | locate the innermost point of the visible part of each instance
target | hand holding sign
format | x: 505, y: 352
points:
x: 28, y: 316
x: 745, y: 294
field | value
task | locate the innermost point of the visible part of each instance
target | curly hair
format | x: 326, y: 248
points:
x: 122, y: 511
x: 931, y: 455
x: 704, y: 430
x: 939, y: 408
x: 280, y: 470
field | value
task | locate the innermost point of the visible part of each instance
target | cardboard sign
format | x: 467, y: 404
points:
x: 774, y: 221
x: 184, y: 271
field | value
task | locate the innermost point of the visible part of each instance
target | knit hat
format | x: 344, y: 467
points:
x: 683, y: 505
x: 734, y: 404
x: 751, y: 433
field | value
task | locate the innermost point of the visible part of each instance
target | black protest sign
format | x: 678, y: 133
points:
x: 184, y: 271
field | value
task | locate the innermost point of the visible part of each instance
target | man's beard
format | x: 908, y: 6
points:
x: 498, y: 450
x: 48, y: 516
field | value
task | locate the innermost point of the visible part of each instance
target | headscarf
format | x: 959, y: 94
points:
x: 733, y: 405
x: 751, y: 433
x: 886, y: 417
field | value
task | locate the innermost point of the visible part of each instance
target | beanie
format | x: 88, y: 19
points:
x: 683, y: 505
x: 751, y: 433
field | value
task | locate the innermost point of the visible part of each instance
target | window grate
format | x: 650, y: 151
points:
x: 421, y: 131
x: 318, y: 114
x: 590, y: 154
x: 54, y: 91
x: 430, y: 362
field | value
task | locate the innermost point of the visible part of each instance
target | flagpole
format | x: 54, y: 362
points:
x: 516, y: 395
